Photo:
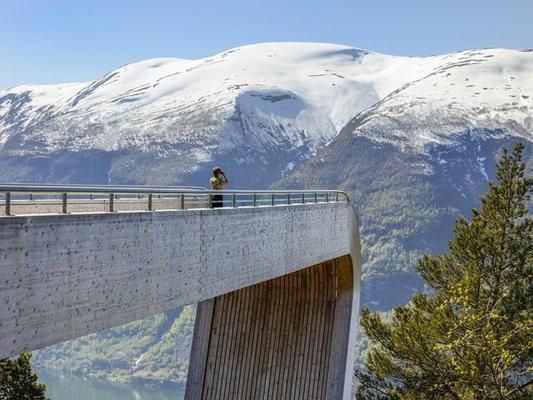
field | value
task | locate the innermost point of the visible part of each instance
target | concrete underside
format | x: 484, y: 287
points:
x: 286, y: 338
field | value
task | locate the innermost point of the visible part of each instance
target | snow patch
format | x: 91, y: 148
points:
x: 481, y: 164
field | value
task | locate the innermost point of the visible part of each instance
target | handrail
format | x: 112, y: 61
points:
x: 52, y: 188
x: 187, y: 196
x: 80, y: 188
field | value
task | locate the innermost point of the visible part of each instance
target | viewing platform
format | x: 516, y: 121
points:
x: 276, y: 275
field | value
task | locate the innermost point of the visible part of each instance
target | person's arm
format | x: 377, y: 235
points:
x: 226, y: 181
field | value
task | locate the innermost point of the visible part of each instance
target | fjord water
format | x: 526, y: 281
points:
x: 68, y: 387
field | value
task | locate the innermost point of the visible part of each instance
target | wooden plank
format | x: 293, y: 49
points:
x: 298, y: 352
x: 321, y: 336
x: 329, y: 299
x: 199, y: 350
x: 229, y: 338
x: 291, y: 337
x: 214, y: 342
x: 330, y: 310
x: 287, y: 348
x: 323, y: 349
x: 319, y: 328
x: 237, y: 321
x: 305, y: 335
x: 310, y: 333
x: 223, y: 350
x: 267, y: 362
x: 254, y: 353
x: 264, y: 342
x: 329, y: 306
x: 250, y: 351
x: 301, y: 345
x: 244, y: 338
x: 231, y: 344
x: 280, y: 345
x: 341, y: 329
x: 273, y: 356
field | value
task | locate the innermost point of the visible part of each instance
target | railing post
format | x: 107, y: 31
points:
x: 327, y: 197
x: 288, y: 198
x: 210, y: 201
x: 254, y: 200
x: 316, y: 197
x: 303, y: 198
x: 64, y: 203
x: 111, y: 202
x: 182, y: 201
x: 234, y: 200
x: 273, y: 200
x: 337, y: 197
x: 8, y: 203
x: 31, y: 196
x: 150, y: 202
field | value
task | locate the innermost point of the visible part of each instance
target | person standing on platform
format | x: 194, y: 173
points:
x: 218, y: 181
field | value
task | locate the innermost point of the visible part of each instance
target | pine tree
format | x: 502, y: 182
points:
x: 18, y: 381
x: 472, y: 336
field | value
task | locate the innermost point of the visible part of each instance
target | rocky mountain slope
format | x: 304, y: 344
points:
x: 413, y: 140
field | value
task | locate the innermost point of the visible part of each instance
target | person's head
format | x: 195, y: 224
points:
x: 217, y: 171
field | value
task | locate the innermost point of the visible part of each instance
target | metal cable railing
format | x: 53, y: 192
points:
x: 25, y: 199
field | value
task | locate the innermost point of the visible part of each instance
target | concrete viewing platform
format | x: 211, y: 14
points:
x: 276, y: 276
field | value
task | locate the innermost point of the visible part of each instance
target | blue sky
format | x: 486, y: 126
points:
x: 50, y: 41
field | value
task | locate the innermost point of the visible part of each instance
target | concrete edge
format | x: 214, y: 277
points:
x: 355, y: 255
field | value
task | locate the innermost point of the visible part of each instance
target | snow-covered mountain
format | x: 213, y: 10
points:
x: 475, y: 91
x: 258, y: 110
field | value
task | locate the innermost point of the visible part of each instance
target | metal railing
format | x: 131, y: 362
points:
x: 24, y: 199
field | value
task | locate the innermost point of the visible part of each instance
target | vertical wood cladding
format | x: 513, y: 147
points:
x: 272, y: 340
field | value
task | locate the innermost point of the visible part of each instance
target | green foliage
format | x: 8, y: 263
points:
x: 472, y: 338
x: 167, y: 360
x: 18, y: 381
x: 98, y: 355
x: 153, y: 350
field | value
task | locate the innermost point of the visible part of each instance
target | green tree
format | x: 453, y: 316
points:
x: 471, y: 337
x: 18, y: 381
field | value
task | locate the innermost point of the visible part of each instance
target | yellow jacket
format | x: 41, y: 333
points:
x: 217, y: 184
